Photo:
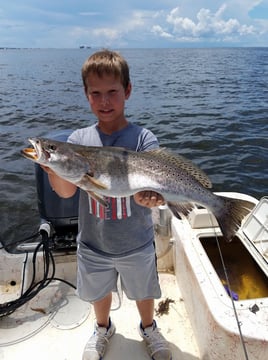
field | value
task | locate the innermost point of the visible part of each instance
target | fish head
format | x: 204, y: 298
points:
x: 44, y: 151
x: 62, y: 157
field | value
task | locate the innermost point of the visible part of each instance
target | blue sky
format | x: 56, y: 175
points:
x: 133, y: 23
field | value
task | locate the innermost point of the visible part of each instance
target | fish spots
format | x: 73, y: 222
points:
x: 176, y: 166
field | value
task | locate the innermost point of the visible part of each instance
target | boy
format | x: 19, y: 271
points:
x: 117, y: 240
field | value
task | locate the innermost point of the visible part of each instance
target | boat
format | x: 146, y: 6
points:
x: 214, y: 302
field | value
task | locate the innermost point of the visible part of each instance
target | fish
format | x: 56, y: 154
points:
x: 120, y: 172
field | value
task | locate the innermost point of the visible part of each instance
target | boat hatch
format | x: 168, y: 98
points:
x: 255, y: 229
x: 246, y: 278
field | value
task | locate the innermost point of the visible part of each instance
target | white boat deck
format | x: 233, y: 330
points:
x: 56, y: 324
x: 37, y: 331
x: 41, y: 332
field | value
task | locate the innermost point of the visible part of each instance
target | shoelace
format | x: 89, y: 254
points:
x: 97, y: 342
x: 157, y: 341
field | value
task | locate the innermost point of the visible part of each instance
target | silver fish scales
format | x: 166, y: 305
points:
x: 119, y: 172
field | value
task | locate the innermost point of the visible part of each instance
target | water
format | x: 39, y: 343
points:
x: 210, y: 105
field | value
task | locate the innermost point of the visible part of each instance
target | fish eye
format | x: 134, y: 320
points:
x: 52, y: 147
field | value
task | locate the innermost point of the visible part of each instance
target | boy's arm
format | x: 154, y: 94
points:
x: 63, y: 188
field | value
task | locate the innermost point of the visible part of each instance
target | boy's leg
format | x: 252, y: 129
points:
x: 104, y: 330
x: 157, y: 345
x: 146, y: 310
x: 102, y: 310
x: 96, y: 279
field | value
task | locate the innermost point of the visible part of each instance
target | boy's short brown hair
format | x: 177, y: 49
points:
x: 106, y: 62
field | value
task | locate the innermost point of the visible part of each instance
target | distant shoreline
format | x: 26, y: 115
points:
x: 35, y: 48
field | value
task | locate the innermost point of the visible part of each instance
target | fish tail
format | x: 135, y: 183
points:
x: 231, y: 214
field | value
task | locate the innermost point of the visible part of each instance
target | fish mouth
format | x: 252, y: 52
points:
x: 37, y: 152
x: 30, y: 153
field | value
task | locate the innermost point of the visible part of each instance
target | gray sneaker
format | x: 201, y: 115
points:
x: 157, y: 345
x: 97, y: 344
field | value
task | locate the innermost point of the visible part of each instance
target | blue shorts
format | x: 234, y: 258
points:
x: 97, y: 275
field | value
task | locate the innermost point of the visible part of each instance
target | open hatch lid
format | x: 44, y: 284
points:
x: 255, y: 229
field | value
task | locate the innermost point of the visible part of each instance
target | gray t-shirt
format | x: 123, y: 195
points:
x: 124, y: 226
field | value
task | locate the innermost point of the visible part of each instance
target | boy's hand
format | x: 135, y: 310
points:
x: 149, y: 199
x: 47, y: 169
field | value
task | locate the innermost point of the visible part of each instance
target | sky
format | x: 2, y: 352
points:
x: 133, y: 23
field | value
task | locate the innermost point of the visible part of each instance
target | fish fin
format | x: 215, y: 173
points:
x: 231, y: 215
x: 98, y: 198
x: 96, y: 183
x: 180, y: 208
x: 184, y: 164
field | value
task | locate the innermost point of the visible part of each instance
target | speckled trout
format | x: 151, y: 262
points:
x: 118, y: 172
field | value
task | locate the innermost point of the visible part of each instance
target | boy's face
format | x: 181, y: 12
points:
x: 107, y: 96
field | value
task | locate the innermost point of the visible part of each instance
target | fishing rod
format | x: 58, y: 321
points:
x: 230, y: 292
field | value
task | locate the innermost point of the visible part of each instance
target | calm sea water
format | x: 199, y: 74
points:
x: 210, y: 105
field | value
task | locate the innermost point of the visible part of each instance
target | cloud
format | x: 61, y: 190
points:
x: 157, y: 30
x: 138, y: 24
x: 259, y: 10
x: 134, y: 25
x: 207, y: 26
